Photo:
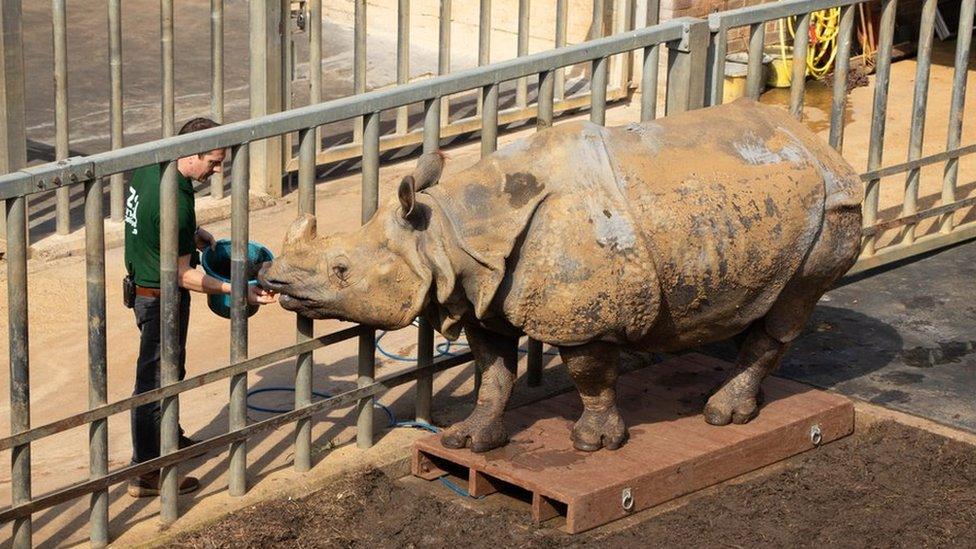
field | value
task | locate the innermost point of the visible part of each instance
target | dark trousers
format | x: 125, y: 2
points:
x: 146, y: 418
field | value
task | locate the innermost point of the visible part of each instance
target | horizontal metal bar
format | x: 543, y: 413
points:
x: 176, y: 388
x: 927, y: 243
x: 25, y: 182
x: 914, y: 218
x: 343, y: 399
x: 914, y: 164
x: 749, y: 15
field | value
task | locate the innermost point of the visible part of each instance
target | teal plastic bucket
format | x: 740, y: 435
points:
x: 216, y: 263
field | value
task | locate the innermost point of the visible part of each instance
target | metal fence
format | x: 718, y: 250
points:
x: 695, y: 54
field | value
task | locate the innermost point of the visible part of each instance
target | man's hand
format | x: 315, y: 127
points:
x: 203, y: 239
x: 256, y: 295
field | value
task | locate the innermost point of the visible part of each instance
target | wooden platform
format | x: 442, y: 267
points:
x: 671, y: 451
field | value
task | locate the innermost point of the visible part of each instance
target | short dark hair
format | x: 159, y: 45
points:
x: 197, y: 124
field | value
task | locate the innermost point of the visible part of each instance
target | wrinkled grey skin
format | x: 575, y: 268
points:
x: 655, y: 236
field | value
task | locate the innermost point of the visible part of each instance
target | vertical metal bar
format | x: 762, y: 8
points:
x: 425, y: 332
x: 754, y: 77
x: 798, y: 83
x: 547, y: 81
x: 533, y: 374
x: 687, y: 62
x: 367, y: 341
x: 649, y: 72
x: 59, y: 20
x: 522, y: 86
x: 916, y: 133
x: 882, y: 72
x: 484, y: 43
x: 359, y: 63
x: 304, y: 326
x: 97, y: 364
x: 963, y: 43
x: 598, y: 92
x: 444, y: 58
x: 287, y: 42
x: 315, y: 60
x: 217, y: 82
x: 117, y: 198
x: 489, y: 119
x: 237, y: 484
x: 13, y: 156
x: 170, y: 339
x: 403, y: 59
x: 561, y: 21
x: 166, y: 43
x: 717, y: 47
x: 841, y: 65
x: 596, y: 28
x: 20, y: 466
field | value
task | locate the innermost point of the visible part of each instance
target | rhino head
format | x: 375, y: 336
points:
x: 376, y: 275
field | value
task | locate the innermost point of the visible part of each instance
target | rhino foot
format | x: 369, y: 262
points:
x: 477, y: 435
x: 725, y: 407
x: 596, y: 430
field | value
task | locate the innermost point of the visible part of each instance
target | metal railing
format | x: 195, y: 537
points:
x: 696, y: 54
x: 686, y: 39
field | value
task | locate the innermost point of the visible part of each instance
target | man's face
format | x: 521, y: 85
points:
x: 202, y: 166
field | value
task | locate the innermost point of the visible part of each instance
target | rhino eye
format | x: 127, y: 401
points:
x: 341, y: 272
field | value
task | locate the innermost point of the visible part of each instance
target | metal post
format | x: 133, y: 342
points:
x: 367, y: 341
x: 265, y: 92
x: 522, y: 86
x: 239, y: 229
x: 596, y: 27
x: 169, y: 364
x: 598, y: 92
x: 561, y: 21
x: 304, y: 325
x: 117, y: 192
x: 841, y: 64
x: 686, y: 70
x: 359, y: 63
x: 963, y: 43
x: 919, y: 104
x: 882, y: 71
x: 444, y: 59
x: 403, y: 59
x: 717, y: 47
x: 217, y: 82
x: 166, y: 41
x: 754, y: 76
x: 315, y: 60
x: 484, y: 43
x: 649, y: 72
x: 425, y: 332
x: 287, y: 50
x: 97, y: 364
x: 534, y: 364
x: 13, y: 156
x: 798, y: 84
x: 59, y: 20
x: 489, y: 119
x: 547, y: 82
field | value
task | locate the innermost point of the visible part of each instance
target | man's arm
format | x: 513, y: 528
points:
x: 196, y: 280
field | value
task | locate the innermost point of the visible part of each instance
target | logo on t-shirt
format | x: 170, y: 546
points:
x: 131, y: 206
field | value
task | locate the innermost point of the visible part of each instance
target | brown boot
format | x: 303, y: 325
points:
x: 148, y: 485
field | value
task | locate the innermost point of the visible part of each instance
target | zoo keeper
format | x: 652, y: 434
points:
x: 142, y: 221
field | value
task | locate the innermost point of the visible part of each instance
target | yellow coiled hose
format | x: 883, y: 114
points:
x: 822, y: 46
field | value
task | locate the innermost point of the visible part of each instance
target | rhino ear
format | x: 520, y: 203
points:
x: 408, y: 196
x: 428, y: 170
x: 301, y: 230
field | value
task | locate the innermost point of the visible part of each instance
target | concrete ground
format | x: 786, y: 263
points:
x: 878, y: 331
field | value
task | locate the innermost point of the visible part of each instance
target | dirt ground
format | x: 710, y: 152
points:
x: 890, y: 486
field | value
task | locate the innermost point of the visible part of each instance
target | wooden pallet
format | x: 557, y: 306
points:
x: 671, y: 451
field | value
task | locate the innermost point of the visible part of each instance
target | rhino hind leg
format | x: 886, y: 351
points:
x: 593, y: 367
x: 496, y: 357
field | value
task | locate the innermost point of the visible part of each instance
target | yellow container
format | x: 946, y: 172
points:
x: 735, y: 81
x: 780, y: 72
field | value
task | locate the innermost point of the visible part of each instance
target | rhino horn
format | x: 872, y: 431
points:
x: 301, y: 231
x: 428, y: 170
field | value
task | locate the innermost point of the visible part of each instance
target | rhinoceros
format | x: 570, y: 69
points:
x: 655, y: 236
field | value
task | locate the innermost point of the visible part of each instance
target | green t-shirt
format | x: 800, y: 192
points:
x: 142, y: 224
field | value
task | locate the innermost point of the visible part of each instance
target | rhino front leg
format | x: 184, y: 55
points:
x: 593, y: 367
x: 496, y: 356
